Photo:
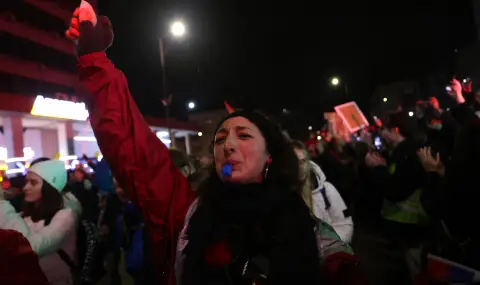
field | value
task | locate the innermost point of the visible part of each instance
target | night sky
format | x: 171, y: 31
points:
x: 274, y: 55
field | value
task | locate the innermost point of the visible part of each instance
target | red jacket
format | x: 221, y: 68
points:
x: 139, y: 160
x: 142, y: 164
x: 19, y: 263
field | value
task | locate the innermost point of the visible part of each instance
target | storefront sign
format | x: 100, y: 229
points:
x: 62, y: 109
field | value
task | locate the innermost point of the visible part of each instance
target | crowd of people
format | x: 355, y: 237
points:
x: 264, y: 209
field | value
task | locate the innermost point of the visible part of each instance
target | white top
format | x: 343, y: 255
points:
x: 336, y: 215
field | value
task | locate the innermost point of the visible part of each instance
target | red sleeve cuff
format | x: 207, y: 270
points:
x: 92, y: 58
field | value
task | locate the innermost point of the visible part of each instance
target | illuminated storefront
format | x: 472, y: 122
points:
x: 59, y: 127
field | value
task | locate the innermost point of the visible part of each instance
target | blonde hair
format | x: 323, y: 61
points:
x: 307, y: 181
x: 307, y: 191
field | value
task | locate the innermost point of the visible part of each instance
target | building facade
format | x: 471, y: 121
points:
x: 42, y: 112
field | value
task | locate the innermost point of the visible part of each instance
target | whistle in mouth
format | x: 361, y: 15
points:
x: 227, y: 170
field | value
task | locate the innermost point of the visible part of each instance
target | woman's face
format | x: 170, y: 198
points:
x: 240, y: 143
x: 33, y: 188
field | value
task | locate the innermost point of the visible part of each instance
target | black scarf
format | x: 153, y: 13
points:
x: 270, y: 237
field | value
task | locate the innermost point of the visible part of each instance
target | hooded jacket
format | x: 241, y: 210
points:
x: 46, y: 240
x: 333, y: 212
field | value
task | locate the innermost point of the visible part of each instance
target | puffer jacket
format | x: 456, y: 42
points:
x: 329, y: 206
x: 47, y: 240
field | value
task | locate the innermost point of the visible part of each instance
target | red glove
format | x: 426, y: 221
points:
x: 91, y: 33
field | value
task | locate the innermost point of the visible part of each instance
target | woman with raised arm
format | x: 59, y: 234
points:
x: 249, y: 224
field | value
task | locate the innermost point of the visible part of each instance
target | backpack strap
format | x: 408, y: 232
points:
x: 325, y: 198
x: 64, y: 256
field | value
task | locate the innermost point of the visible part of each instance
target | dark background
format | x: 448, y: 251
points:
x: 274, y: 55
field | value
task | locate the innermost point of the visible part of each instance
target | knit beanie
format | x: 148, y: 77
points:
x: 53, y: 172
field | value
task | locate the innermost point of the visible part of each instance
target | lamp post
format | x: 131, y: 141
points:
x: 178, y: 30
x: 335, y: 81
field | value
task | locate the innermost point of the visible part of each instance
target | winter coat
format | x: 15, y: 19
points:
x: 333, y: 212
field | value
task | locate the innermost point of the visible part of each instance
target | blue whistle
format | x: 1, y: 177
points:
x: 227, y: 170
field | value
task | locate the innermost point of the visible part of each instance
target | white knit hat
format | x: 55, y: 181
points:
x: 53, y: 172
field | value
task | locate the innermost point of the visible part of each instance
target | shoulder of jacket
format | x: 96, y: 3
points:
x: 65, y: 214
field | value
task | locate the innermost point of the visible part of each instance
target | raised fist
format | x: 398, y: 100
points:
x: 89, y: 32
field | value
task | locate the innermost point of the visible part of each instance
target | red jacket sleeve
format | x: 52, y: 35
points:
x: 19, y: 263
x: 138, y: 159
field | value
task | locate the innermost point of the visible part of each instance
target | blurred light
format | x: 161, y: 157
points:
x: 74, y: 163
x: 28, y: 152
x: 54, y: 108
x: 410, y: 114
x: 15, y: 170
x: 15, y: 159
x: 162, y: 134
x: 385, y: 99
x: 177, y: 29
x: 464, y: 80
x: 319, y: 137
x: 68, y: 157
x: 191, y: 105
x: 99, y: 158
x: 448, y: 88
x: 285, y: 110
x: 310, y: 128
x: 200, y: 134
x: 85, y: 139
x: 3, y: 153
x: 335, y: 81
x: 166, y: 141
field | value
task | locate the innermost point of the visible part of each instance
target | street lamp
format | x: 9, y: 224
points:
x: 335, y: 81
x: 191, y: 105
x: 178, y: 30
x: 385, y: 99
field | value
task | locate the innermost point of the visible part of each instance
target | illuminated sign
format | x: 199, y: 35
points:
x: 55, y: 108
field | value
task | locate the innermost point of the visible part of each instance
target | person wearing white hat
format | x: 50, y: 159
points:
x: 46, y: 220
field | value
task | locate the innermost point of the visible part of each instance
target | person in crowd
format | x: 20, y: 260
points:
x: 46, y: 220
x: 451, y: 192
x: 321, y: 196
x: 19, y: 263
x: 401, y: 180
x: 249, y: 223
x: 182, y: 161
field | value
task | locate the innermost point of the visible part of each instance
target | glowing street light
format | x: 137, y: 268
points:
x: 200, y: 134
x: 310, y: 128
x: 335, y: 81
x: 177, y: 29
x: 385, y: 99
x: 410, y: 114
x: 191, y: 105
